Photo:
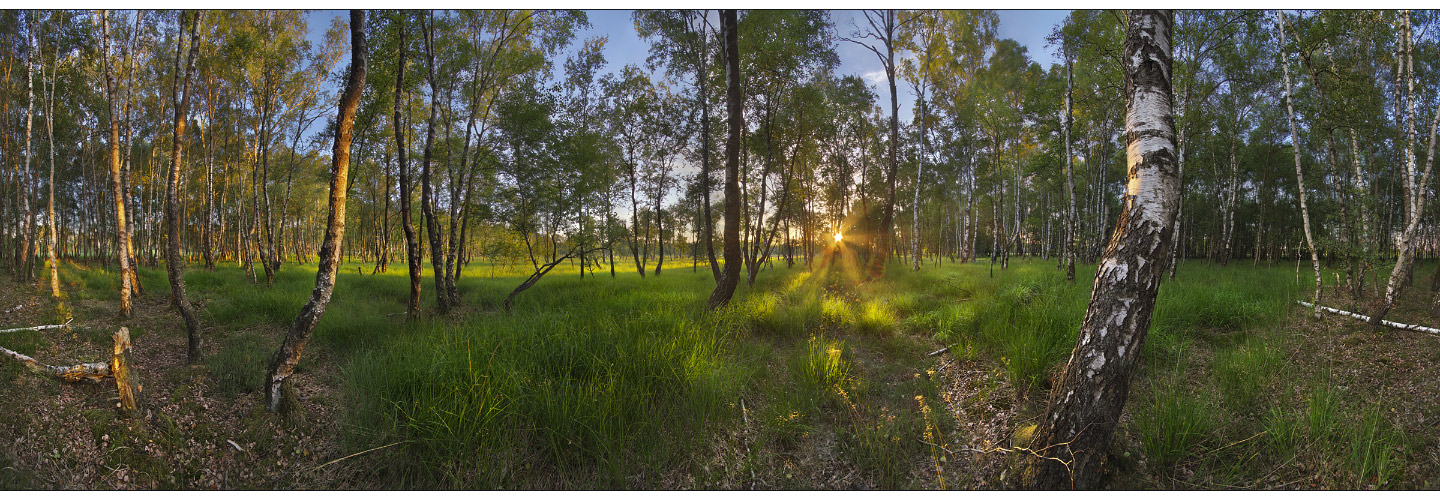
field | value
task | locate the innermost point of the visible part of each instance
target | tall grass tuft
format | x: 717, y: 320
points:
x: 823, y: 366
x: 1175, y: 423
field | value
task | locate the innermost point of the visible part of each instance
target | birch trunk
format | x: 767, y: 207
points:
x: 725, y: 288
x: 282, y: 363
x: 427, y: 197
x: 1071, y: 235
x: 174, y: 265
x: 1086, y: 404
x: 54, y: 263
x: 122, y: 237
x: 22, y: 178
x: 1414, y: 193
x: 1299, y: 173
x: 412, y: 248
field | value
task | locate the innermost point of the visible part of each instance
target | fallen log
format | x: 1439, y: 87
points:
x: 38, y: 328
x: 1386, y: 322
x: 118, y: 368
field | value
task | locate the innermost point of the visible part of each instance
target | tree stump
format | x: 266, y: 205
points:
x: 125, y: 379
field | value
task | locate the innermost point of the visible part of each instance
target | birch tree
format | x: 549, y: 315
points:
x: 122, y: 237
x: 725, y: 288
x: 174, y: 263
x: 282, y: 363
x: 1299, y: 173
x: 1088, y: 399
x: 1415, y: 191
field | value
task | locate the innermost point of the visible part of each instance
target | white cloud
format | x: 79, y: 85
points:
x: 875, y: 77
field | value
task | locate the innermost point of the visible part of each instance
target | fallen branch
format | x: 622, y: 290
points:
x: 16, y: 308
x: 38, y: 328
x: 1386, y: 322
x: 352, y: 455
x: 118, y: 368
x: 939, y: 352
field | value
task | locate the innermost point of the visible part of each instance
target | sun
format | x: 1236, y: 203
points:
x: 837, y: 237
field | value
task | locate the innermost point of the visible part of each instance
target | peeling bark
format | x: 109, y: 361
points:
x: 174, y: 264
x: 1090, y: 393
x: 118, y: 368
x: 1299, y: 174
x: 282, y: 363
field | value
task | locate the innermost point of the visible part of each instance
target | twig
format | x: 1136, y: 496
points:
x: 745, y: 437
x: 1386, y: 322
x: 939, y: 352
x: 38, y: 328
x: 352, y: 455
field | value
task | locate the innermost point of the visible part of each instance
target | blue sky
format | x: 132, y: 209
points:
x: 1028, y: 27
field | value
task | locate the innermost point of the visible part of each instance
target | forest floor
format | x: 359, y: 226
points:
x: 810, y: 379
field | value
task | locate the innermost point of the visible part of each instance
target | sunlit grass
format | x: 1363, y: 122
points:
x: 608, y: 382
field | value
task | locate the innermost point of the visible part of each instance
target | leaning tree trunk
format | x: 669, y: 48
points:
x: 1414, y: 193
x: 122, y: 237
x: 725, y: 288
x: 174, y: 265
x: 1086, y: 404
x: 1299, y: 174
x: 282, y: 363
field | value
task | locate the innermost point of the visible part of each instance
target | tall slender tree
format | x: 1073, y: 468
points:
x: 725, y: 288
x: 122, y: 237
x: 412, y: 241
x: 282, y: 363
x: 882, y: 32
x: 427, y: 198
x: 1299, y: 173
x: 174, y: 263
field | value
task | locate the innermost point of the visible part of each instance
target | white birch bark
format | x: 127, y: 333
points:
x: 1070, y: 213
x: 1299, y: 173
x: 1414, y: 193
x: 1088, y: 399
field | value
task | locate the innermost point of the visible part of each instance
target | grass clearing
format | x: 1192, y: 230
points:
x: 806, y: 381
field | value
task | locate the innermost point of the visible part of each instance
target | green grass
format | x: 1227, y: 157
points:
x: 239, y: 365
x: 1178, y: 421
x: 619, y: 382
x: 822, y: 365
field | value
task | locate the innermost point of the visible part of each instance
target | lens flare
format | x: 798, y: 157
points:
x: 837, y: 237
